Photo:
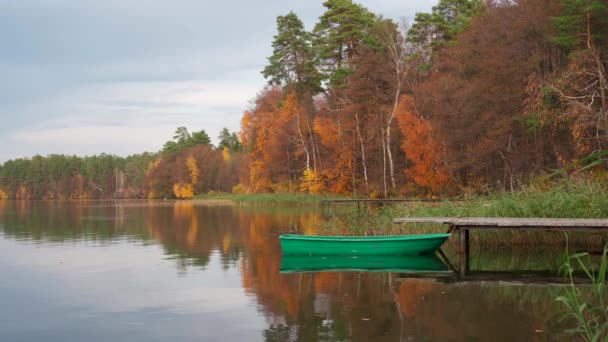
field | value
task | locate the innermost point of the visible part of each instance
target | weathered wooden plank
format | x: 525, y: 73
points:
x: 440, y: 220
x: 388, y: 200
x: 514, y: 223
x: 537, y: 228
x: 524, y: 222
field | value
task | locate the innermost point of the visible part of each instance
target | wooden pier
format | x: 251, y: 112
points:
x: 463, y: 225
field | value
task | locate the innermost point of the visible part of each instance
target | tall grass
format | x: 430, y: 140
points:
x: 566, y: 200
x: 563, y: 200
x: 271, y: 198
x: 586, y: 309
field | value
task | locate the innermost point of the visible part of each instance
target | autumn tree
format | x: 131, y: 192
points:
x: 475, y: 97
x: 270, y: 138
x: 582, y: 31
x: 369, y: 101
x: 399, y: 52
x: 430, y: 32
x: 292, y: 66
x: 427, y: 169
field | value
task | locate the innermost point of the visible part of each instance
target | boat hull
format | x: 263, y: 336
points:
x: 362, y: 245
x: 414, y: 264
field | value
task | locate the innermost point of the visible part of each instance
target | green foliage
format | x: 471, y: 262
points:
x: 581, y: 21
x: 183, y: 139
x: 56, y: 176
x: 229, y: 140
x: 589, y: 314
x: 532, y: 122
x: 588, y: 162
x: 567, y: 200
x: 292, y: 62
x: 199, y: 138
x: 181, y: 134
x: 562, y: 200
x: 136, y: 166
x: 338, y: 35
x: 550, y: 98
x: 432, y: 31
x: 270, y: 198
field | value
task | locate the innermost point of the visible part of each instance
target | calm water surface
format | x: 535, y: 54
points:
x: 180, y: 271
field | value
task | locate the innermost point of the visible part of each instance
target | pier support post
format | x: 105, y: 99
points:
x: 464, y: 251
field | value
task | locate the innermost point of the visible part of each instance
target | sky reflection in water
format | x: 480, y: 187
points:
x: 131, y: 271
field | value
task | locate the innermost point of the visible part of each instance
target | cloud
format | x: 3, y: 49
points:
x: 143, y: 67
x: 133, y: 117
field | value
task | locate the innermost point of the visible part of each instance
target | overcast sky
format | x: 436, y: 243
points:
x: 118, y: 76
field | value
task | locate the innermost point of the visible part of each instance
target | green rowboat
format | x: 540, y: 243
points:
x: 413, y: 264
x: 361, y: 245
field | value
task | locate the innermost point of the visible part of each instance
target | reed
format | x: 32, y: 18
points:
x: 587, y: 310
x: 270, y: 198
x: 587, y: 199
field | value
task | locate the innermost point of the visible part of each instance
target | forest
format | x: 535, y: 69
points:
x: 187, y: 165
x: 474, y: 96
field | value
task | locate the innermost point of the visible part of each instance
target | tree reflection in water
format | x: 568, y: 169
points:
x: 301, y: 306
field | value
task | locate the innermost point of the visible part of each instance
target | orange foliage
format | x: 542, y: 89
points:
x: 258, y: 176
x: 410, y: 294
x: 420, y: 147
x: 3, y: 194
x: 332, y: 136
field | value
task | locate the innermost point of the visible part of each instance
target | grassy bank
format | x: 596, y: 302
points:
x: 565, y: 200
x: 270, y: 199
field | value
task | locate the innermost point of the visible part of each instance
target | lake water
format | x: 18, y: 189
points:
x: 181, y: 271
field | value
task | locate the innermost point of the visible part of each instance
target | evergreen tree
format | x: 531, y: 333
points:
x: 432, y: 31
x: 229, y: 140
x: 292, y: 61
x: 338, y: 35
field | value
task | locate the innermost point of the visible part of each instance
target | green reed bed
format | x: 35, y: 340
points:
x: 566, y: 200
x: 586, y: 309
x: 270, y: 198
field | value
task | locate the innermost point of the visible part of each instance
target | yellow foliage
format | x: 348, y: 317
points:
x: 193, y: 230
x: 3, y: 194
x: 311, y: 182
x: 183, y: 190
x: 226, y: 242
x: 226, y: 154
x: 194, y: 170
x: 239, y: 189
x: 375, y: 194
x: 309, y: 223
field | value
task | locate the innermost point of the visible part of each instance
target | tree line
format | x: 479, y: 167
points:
x: 187, y: 165
x: 473, y: 95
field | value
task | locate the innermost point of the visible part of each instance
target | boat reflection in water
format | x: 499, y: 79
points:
x: 418, y: 264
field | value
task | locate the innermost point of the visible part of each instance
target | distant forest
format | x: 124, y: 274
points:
x: 473, y: 96
x: 187, y: 165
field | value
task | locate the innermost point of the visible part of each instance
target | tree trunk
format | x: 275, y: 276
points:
x: 361, y: 144
x: 389, y: 152
x: 304, y: 145
x: 384, y: 152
